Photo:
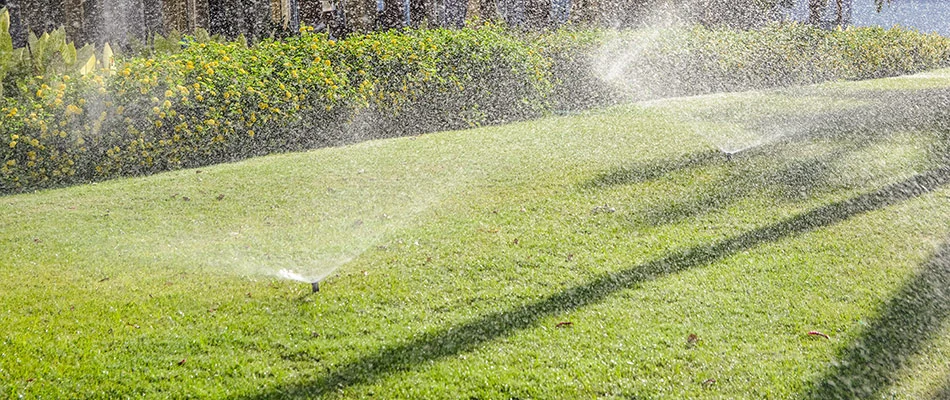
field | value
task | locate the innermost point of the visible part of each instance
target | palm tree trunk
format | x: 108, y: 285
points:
x: 815, y: 9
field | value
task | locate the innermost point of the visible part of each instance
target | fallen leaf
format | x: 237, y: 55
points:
x: 198, y: 171
x: 182, y: 362
x: 104, y: 279
x: 185, y: 198
x: 563, y: 324
x: 692, y: 339
x: 816, y: 333
x: 708, y: 382
x: 220, y: 197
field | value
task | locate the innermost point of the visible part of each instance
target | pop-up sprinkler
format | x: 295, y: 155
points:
x: 316, y: 286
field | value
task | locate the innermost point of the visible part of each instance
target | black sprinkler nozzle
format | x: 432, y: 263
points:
x: 316, y: 286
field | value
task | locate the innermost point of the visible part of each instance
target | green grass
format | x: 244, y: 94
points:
x: 452, y: 258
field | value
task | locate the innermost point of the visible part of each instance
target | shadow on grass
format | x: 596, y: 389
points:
x: 794, y: 174
x: 872, y: 362
x: 645, y: 172
x: 465, y: 337
x: 796, y: 180
x: 944, y: 392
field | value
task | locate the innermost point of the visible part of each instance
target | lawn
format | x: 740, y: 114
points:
x: 616, y: 253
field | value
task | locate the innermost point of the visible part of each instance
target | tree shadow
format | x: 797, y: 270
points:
x: 645, y: 172
x: 454, y: 340
x: 871, y: 363
x: 944, y: 392
x: 799, y: 174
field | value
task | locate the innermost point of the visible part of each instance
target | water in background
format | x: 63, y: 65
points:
x: 924, y: 15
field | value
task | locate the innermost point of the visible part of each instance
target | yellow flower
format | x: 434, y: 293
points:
x: 250, y: 132
x: 73, y: 110
x: 11, y: 163
x: 169, y: 93
x: 13, y: 144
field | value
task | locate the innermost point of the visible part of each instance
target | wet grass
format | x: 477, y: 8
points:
x: 561, y: 258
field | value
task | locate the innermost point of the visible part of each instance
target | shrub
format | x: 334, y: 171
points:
x: 601, y: 67
x: 214, y: 102
x: 203, y: 101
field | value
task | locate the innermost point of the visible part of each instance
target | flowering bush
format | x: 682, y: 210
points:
x: 214, y: 102
x: 211, y: 102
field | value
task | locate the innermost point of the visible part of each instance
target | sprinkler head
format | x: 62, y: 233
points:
x: 316, y: 286
x: 728, y: 156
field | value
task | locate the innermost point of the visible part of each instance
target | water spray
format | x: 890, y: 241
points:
x: 288, y: 274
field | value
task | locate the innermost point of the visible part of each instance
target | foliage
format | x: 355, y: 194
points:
x: 601, y: 67
x: 214, y: 102
x: 198, y: 101
x: 50, y: 53
x: 6, y: 47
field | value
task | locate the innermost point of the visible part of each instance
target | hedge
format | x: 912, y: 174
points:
x: 210, y: 102
x: 637, y: 65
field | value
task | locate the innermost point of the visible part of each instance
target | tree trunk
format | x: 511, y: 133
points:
x: 360, y: 14
x: 815, y: 11
x: 152, y: 13
x: 537, y: 14
x: 74, y: 24
x: 393, y: 16
x: 483, y: 9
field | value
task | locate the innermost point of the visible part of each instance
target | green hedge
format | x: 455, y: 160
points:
x: 601, y: 67
x: 215, y: 102
x: 211, y: 102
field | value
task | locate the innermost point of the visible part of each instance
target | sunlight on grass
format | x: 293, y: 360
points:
x: 561, y: 258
